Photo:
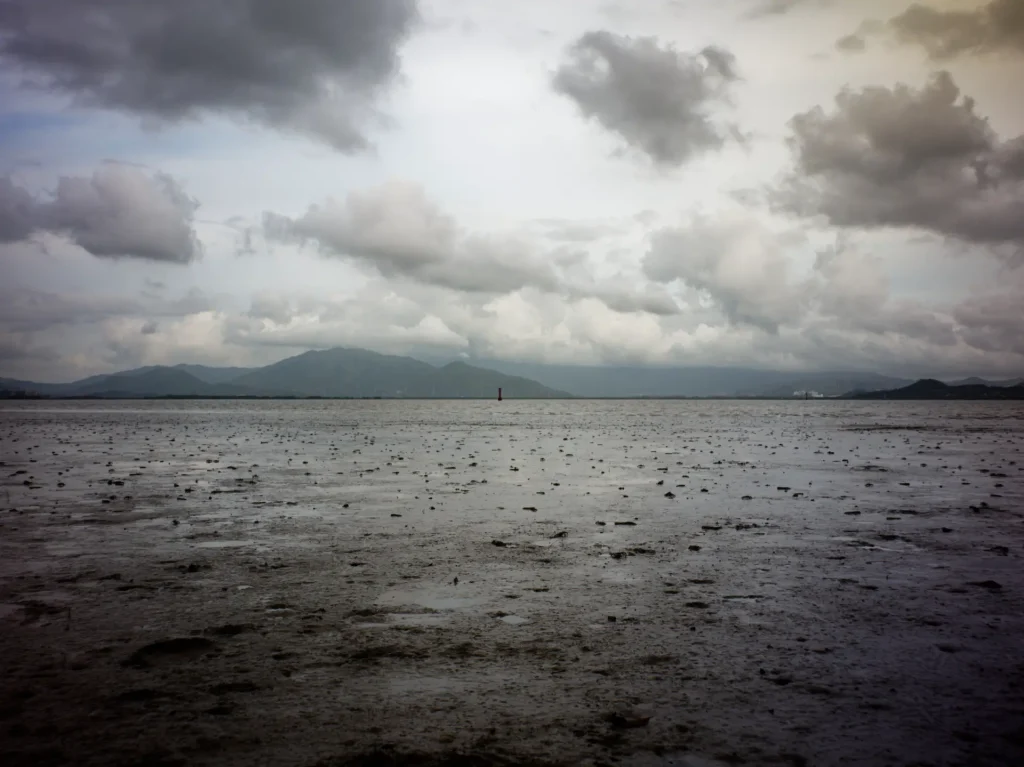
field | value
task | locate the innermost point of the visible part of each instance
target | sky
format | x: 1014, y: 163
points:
x: 785, y: 184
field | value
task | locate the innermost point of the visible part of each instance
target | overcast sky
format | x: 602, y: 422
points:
x: 797, y: 184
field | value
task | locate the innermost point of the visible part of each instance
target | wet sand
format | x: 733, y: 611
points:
x: 475, y: 583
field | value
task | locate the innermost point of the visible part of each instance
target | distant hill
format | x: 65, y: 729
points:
x: 929, y: 388
x: 330, y: 373
x: 340, y: 373
x: 470, y: 381
x: 974, y: 381
x: 214, y: 375
x: 160, y: 382
x: 638, y: 381
x: 357, y: 373
x: 361, y: 373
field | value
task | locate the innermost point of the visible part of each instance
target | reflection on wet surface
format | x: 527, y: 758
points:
x: 816, y: 583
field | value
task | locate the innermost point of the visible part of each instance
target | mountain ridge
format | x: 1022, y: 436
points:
x: 338, y: 372
x: 932, y: 389
x: 360, y: 373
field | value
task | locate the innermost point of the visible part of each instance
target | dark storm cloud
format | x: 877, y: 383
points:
x: 907, y: 158
x: 401, y: 233
x: 993, y: 323
x: 20, y: 348
x: 121, y: 211
x: 28, y: 310
x: 312, y: 66
x: 851, y: 43
x: 993, y: 28
x: 17, y: 212
x: 780, y: 7
x: 657, y: 99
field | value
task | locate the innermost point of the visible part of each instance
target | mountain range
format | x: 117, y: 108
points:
x: 637, y: 381
x: 929, y: 388
x: 359, y: 373
x: 329, y: 373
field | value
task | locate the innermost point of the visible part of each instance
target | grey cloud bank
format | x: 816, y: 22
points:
x: 997, y: 27
x: 305, y: 65
x: 118, y: 212
x: 654, y: 97
x: 704, y: 185
x: 905, y: 157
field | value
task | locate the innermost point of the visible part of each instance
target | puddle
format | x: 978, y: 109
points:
x: 429, y: 599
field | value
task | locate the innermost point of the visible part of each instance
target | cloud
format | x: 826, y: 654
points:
x: 398, y: 231
x: 997, y: 27
x: 568, y: 230
x: 311, y: 66
x: 738, y: 263
x: 907, y: 158
x: 277, y: 309
x: 994, y: 28
x: 852, y: 43
x: 17, y: 212
x: 121, y: 211
x: 780, y: 7
x: 655, y: 98
x: 993, y: 323
x: 27, y: 310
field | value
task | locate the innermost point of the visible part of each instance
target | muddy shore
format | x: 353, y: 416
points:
x: 475, y: 583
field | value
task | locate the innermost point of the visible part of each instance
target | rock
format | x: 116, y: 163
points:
x: 628, y: 719
x: 694, y: 547
x: 231, y: 629
x: 670, y: 494
x: 990, y: 585
x: 182, y: 647
x: 498, y: 543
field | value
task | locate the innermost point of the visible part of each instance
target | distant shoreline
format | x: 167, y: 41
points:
x: 873, y: 397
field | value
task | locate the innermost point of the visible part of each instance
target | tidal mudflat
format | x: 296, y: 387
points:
x: 484, y: 583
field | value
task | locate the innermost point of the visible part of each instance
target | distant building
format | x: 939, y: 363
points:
x: 808, y: 394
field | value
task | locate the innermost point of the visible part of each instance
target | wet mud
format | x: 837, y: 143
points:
x: 475, y: 583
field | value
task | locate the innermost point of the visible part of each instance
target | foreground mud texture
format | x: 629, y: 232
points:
x: 475, y: 583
